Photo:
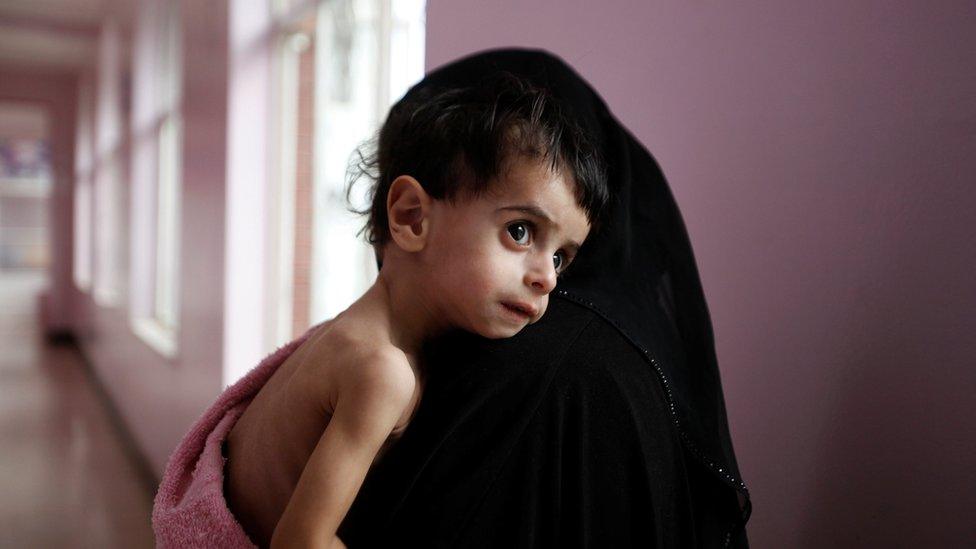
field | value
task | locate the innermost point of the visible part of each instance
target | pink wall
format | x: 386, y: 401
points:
x: 822, y: 155
x: 159, y: 398
x: 56, y: 93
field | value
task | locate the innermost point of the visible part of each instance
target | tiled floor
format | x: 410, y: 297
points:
x: 65, y: 479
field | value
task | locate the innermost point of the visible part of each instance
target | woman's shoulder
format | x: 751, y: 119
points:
x: 585, y: 331
x: 600, y: 350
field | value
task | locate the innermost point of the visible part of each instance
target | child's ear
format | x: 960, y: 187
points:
x: 408, y: 210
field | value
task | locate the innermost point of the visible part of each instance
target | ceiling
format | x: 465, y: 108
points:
x: 54, y: 34
x: 73, y: 12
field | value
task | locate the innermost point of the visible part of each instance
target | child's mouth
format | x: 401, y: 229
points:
x: 516, y: 311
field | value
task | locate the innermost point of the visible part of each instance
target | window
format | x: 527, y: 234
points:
x: 168, y: 182
x: 340, y: 66
x: 84, y: 161
x: 156, y: 171
x: 25, y: 184
x: 107, y: 169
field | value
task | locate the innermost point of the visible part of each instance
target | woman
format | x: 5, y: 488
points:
x: 603, y: 424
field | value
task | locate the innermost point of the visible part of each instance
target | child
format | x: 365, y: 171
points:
x: 481, y: 198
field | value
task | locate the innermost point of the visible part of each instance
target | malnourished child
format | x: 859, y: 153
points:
x: 481, y: 197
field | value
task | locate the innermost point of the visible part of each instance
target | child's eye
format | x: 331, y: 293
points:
x: 518, y: 231
x: 559, y: 261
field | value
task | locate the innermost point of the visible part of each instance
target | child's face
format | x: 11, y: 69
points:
x: 493, y: 254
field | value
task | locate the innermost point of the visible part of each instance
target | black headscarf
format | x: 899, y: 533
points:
x: 638, y: 273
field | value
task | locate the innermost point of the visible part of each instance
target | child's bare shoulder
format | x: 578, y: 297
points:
x: 359, y: 364
x: 370, y: 366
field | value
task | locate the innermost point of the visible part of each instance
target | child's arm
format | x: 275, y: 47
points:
x: 372, y: 396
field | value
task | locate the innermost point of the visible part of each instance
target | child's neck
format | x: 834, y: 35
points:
x: 400, y: 312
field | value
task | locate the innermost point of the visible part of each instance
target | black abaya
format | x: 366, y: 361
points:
x: 560, y: 438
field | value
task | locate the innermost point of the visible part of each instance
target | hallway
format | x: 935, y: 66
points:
x: 65, y: 477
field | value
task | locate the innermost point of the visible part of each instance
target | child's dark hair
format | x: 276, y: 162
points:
x: 454, y: 141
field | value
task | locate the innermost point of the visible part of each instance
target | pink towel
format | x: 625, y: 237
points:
x: 190, y: 509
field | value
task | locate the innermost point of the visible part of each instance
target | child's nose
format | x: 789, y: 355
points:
x: 542, y: 276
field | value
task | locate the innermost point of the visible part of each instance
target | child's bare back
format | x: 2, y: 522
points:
x: 273, y: 441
